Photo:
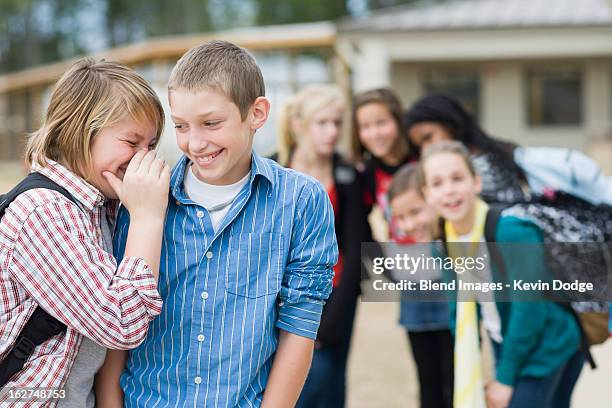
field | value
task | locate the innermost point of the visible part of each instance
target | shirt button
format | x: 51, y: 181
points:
x: 201, y: 337
x: 200, y: 214
x: 204, y: 295
x: 178, y: 202
x: 209, y: 254
x: 197, y: 380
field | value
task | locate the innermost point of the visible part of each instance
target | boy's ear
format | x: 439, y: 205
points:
x: 260, y: 111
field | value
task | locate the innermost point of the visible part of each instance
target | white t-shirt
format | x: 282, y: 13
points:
x: 217, y: 200
x: 488, y: 309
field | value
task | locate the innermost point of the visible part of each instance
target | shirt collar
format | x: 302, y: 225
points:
x: 81, y: 190
x: 259, y: 167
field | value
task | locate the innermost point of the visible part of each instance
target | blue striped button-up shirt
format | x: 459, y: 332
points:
x: 226, y: 293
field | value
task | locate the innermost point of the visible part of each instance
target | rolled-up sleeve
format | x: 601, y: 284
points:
x: 313, y: 252
x: 57, y: 260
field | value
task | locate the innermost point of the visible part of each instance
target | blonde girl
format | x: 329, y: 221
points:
x: 310, y: 129
x: 96, y: 142
x: 536, y: 343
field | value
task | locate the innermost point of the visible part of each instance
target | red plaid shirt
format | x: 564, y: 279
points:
x: 52, y: 255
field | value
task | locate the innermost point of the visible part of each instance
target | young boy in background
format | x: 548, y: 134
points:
x: 426, y: 321
x: 247, y: 253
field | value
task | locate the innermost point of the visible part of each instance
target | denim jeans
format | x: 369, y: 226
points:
x: 563, y: 396
x: 553, y: 391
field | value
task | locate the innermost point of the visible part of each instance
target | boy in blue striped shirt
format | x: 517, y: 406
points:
x: 247, y: 255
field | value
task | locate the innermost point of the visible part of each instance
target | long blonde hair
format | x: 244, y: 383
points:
x: 90, y: 96
x: 302, y: 107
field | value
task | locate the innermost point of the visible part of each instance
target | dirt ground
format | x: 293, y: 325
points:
x: 382, y: 373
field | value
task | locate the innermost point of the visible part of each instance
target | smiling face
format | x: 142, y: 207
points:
x: 424, y: 134
x: 212, y: 134
x: 413, y: 216
x: 113, y: 148
x: 450, y: 187
x: 378, y: 131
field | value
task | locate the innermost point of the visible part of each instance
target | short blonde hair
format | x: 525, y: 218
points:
x: 303, y: 106
x: 221, y: 66
x: 90, y: 96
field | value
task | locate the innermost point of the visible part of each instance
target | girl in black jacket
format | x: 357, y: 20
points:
x: 311, y: 126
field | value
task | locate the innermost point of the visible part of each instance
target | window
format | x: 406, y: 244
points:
x: 462, y: 83
x: 554, y: 96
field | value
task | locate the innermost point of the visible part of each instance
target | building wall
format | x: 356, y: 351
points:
x: 405, y: 80
x: 503, y: 102
x: 598, y: 96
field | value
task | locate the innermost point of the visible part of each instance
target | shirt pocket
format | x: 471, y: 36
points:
x: 255, y: 264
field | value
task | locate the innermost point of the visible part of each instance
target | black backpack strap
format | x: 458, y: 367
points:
x: 585, y: 347
x: 41, y: 326
x: 32, y: 181
x: 491, y: 222
x: 490, y: 230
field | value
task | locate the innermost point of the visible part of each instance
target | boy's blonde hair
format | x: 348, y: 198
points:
x: 303, y: 106
x: 90, y: 96
x: 447, y: 147
x: 223, y: 67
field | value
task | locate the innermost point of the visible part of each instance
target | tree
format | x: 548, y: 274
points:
x: 297, y: 11
x: 379, y: 4
x: 128, y: 21
x: 38, y: 31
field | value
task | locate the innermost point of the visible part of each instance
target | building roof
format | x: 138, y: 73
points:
x: 288, y: 36
x: 478, y: 14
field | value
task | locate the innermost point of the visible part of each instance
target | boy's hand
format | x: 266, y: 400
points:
x: 498, y: 395
x: 145, y: 185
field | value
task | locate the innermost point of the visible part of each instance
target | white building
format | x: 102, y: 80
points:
x: 538, y: 72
